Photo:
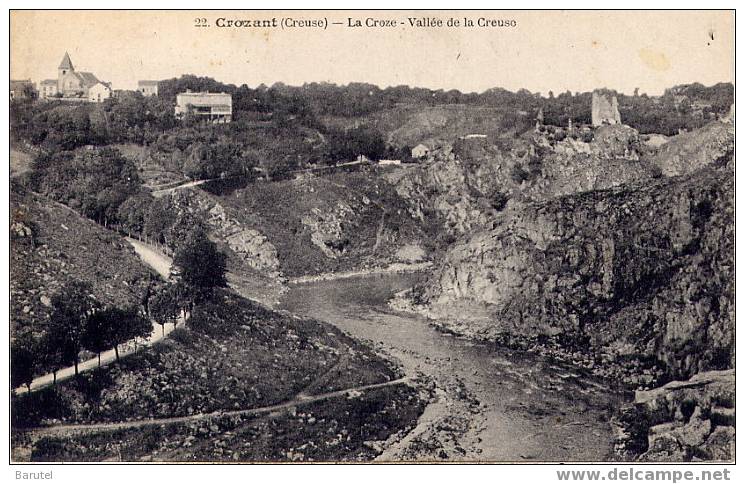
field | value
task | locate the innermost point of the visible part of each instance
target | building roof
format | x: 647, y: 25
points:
x: 20, y: 84
x: 147, y: 83
x: 66, y: 62
x: 47, y: 82
x: 216, y: 99
x: 87, y: 78
x: 104, y: 84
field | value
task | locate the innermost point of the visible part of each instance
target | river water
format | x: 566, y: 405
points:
x: 490, y: 404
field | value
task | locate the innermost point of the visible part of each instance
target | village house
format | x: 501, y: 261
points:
x: 73, y: 85
x: 48, y: 88
x: 22, y: 89
x: 213, y: 106
x: 147, y: 88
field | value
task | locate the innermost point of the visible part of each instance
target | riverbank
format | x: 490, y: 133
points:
x: 488, y: 403
x: 628, y: 375
x: 395, y: 268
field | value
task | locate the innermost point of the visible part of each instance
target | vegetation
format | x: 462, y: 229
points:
x: 248, y: 357
x: 23, y: 360
x: 71, y: 310
x: 202, y: 266
x: 94, y: 182
x: 166, y: 306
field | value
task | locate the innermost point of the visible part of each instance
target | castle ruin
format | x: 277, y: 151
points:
x: 604, y: 108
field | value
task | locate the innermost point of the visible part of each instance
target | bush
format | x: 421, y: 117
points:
x: 28, y: 410
x: 211, y: 319
x: 588, y: 136
x: 519, y: 174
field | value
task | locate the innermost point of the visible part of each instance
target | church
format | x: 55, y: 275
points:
x: 73, y: 85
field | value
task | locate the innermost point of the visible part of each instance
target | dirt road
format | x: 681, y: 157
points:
x: 349, y: 393
x: 160, y: 263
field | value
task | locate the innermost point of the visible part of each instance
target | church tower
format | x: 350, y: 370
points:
x: 65, y: 67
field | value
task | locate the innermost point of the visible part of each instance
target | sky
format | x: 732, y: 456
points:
x: 554, y: 50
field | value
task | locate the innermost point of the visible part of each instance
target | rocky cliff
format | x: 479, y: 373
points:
x: 688, y: 151
x: 640, y: 272
x: 466, y: 184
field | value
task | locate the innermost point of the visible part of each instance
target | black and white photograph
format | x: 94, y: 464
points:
x: 372, y: 236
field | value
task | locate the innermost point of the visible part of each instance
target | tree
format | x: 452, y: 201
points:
x: 202, y: 265
x: 51, y: 355
x: 132, y: 325
x: 164, y: 308
x: 71, y: 309
x: 23, y: 360
x: 113, y: 326
x: 132, y: 213
x: 96, y: 336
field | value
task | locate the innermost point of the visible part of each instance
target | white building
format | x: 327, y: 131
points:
x: 48, y: 88
x: 73, y: 85
x: 214, y: 106
x: 147, y: 88
x: 99, y: 92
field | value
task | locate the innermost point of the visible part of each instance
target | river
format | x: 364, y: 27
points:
x: 490, y: 404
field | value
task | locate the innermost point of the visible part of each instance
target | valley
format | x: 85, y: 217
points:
x: 409, y: 281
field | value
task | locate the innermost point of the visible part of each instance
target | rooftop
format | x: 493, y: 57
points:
x: 66, y: 62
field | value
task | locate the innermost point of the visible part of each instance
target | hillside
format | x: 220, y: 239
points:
x: 410, y: 124
x: 314, y: 225
x: 249, y: 358
x: 52, y: 245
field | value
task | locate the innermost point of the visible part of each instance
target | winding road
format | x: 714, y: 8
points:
x: 159, y: 262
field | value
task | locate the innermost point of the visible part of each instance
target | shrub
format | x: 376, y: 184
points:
x: 211, y: 319
x: 519, y: 174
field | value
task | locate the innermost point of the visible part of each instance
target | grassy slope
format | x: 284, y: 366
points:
x: 268, y: 358
x: 65, y: 246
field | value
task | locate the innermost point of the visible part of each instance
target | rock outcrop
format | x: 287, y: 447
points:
x: 688, y: 152
x: 326, y: 228
x: 249, y: 244
x: 467, y: 184
x: 681, y: 421
x: 644, y: 272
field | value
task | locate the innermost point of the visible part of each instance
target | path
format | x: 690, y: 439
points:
x: 160, y: 263
x: 302, y: 399
x: 151, y: 256
x: 165, y: 191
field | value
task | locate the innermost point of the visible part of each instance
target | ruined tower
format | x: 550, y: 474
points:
x: 604, y: 108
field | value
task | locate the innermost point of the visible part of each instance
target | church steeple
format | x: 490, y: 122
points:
x: 66, y: 64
